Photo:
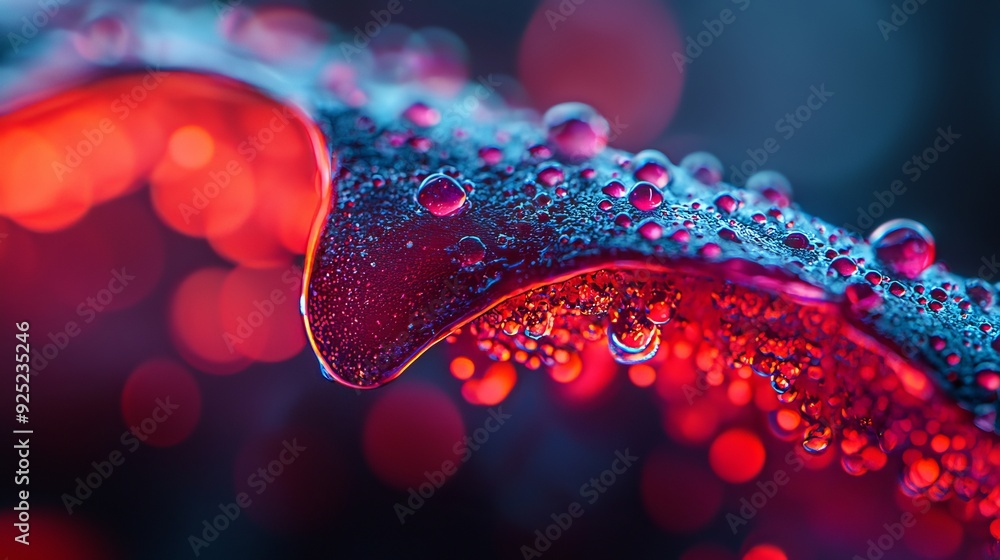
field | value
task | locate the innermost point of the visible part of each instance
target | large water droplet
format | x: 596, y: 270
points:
x: 576, y: 130
x: 904, y: 246
x: 773, y: 185
x: 652, y: 166
x: 441, y: 195
x: 645, y: 196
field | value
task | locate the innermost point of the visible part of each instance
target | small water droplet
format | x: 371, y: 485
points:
x: 471, y: 250
x: 817, y: 438
x: 845, y: 266
x: 904, y: 246
x: 773, y: 185
x: 551, y: 176
x: 726, y: 203
x: 614, y: 189
x: 796, y: 240
x: 490, y: 155
x: 422, y: 115
x: 652, y: 166
x: 441, y: 195
x: 704, y: 167
x: 650, y: 230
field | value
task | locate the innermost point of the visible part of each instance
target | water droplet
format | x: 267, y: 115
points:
x: 645, y: 196
x: 845, y: 266
x: 659, y: 309
x: 704, y: 167
x: 551, y: 176
x: 614, y: 189
x: 817, y: 438
x: 632, y: 340
x: 422, y: 115
x: 441, y: 195
x: 650, y: 230
x: 710, y: 250
x: 726, y: 203
x: 681, y: 236
x: 471, y: 250
x: 490, y: 155
x: 773, y: 185
x: 623, y: 220
x: 796, y: 240
x: 904, y: 246
x: 652, y: 166
x: 576, y: 130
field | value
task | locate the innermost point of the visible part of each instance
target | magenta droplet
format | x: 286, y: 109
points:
x: 540, y: 151
x: 551, y: 176
x: 645, y: 196
x: 490, y: 155
x: 576, y: 130
x: 711, y: 250
x: 897, y: 289
x: 650, y: 230
x: 773, y: 185
x: 614, y: 189
x: 681, y: 236
x: 623, y: 220
x: 441, y: 195
x: 652, y: 166
x: 904, y: 246
x: 796, y: 240
x: 845, y: 266
x: 726, y: 203
x: 704, y: 167
x: 605, y: 205
x: 422, y: 115
x: 471, y: 250
x: 728, y: 235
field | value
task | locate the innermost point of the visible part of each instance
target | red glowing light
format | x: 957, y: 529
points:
x: 161, y: 403
x: 737, y: 455
x: 411, y: 430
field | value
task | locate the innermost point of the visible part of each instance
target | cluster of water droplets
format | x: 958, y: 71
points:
x: 546, y: 325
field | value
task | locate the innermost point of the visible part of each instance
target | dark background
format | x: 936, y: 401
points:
x: 940, y: 69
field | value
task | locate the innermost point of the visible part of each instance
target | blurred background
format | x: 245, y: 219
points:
x: 137, y: 292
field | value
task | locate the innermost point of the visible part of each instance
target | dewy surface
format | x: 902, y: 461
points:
x: 509, y: 229
x: 450, y: 211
